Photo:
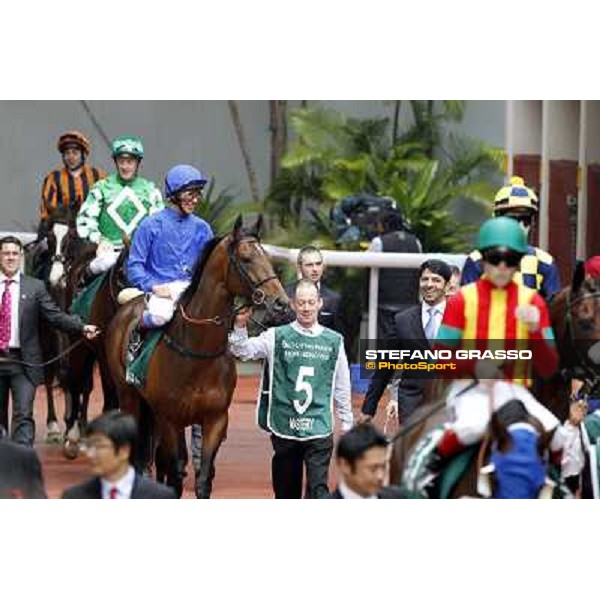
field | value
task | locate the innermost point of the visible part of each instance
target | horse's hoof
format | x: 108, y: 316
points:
x: 70, y: 449
x: 53, y: 435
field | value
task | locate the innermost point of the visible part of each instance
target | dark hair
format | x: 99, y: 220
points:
x: 11, y: 239
x: 119, y: 427
x: 306, y: 282
x: 437, y: 266
x: 455, y: 270
x: 354, y: 443
x: 309, y: 249
x: 513, y: 411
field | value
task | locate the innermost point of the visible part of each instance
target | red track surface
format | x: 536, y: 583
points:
x: 243, y: 463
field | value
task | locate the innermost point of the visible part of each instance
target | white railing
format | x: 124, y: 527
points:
x: 24, y: 236
x: 368, y: 260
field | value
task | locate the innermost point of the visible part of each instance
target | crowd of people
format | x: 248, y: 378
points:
x: 501, y: 295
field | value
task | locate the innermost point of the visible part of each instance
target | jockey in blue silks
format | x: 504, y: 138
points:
x: 166, y: 246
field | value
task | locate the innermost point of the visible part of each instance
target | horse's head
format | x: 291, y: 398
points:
x: 250, y: 273
x: 583, y: 321
x: 63, y: 245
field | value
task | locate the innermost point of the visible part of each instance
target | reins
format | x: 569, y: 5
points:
x: 6, y: 359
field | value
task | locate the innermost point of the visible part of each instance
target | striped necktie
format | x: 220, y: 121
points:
x: 5, y: 315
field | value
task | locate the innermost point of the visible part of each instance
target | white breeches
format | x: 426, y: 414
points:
x: 105, y: 259
x: 161, y: 309
x: 472, y: 409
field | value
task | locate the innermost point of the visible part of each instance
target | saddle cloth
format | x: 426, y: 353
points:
x: 415, y: 474
x: 82, y: 303
x: 136, y: 371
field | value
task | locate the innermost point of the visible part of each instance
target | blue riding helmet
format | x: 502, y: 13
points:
x: 183, y: 177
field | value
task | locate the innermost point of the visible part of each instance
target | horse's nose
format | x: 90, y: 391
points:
x: 280, y: 305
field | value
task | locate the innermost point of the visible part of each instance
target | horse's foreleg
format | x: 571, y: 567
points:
x: 109, y: 390
x: 168, y: 457
x: 213, y: 433
x: 53, y: 434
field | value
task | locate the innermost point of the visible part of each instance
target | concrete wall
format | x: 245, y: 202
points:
x: 199, y: 132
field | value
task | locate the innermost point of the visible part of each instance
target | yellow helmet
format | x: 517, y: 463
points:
x: 515, y: 195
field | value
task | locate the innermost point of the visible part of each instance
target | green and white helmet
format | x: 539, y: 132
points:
x: 128, y: 144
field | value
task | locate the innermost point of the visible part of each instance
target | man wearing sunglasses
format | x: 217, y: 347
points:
x: 537, y: 269
x: 495, y: 313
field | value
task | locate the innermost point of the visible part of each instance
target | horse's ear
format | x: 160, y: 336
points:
x: 237, y: 227
x: 258, y: 226
x: 578, y: 276
x: 126, y: 240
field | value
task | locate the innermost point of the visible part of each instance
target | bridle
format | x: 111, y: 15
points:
x: 258, y: 298
x: 591, y: 370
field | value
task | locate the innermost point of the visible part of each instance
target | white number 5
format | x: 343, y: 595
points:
x: 304, y: 386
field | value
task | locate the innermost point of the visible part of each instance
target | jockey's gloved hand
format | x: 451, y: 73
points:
x: 104, y: 247
x: 530, y: 315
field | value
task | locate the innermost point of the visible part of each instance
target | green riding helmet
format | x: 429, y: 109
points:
x: 128, y: 144
x: 502, y: 232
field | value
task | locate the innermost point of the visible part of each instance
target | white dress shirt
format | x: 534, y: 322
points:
x: 438, y: 314
x: 15, y: 295
x: 124, y: 486
x: 261, y: 346
x: 349, y: 494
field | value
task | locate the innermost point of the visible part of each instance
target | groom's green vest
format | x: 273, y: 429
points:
x: 302, y: 370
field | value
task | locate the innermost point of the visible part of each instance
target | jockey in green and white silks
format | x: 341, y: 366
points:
x: 116, y: 205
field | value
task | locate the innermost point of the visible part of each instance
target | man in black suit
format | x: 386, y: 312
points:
x: 20, y: 471
x: 310, y: 266
x: 416, y: 327
x: 110, y: 445
x: 23, y: 300
x: 361, y: 462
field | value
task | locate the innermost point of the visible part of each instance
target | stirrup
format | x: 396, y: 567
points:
x: 134, y: 345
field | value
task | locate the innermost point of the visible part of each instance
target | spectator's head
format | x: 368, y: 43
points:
x: 434, y: 278
x: 110, y: 444
x: 592, y: 267
x: 307, y: 302
x: 11, y: 254
x: 310, y: 263
x: 361, y: 458
x: 454, y: 284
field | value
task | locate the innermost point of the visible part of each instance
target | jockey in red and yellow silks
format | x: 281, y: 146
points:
x: 482, y: 316
x: 490, y: 314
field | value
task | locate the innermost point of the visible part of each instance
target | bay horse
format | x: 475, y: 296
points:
x: 575, y: 314
x: 575, y: 317
x: 191, y: 375
x: 80, y: 364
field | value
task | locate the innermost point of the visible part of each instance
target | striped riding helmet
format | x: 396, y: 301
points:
x: 73, y: 138
x: 517, y: 196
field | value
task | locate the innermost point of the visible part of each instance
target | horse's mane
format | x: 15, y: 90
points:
x: 199, y: 268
